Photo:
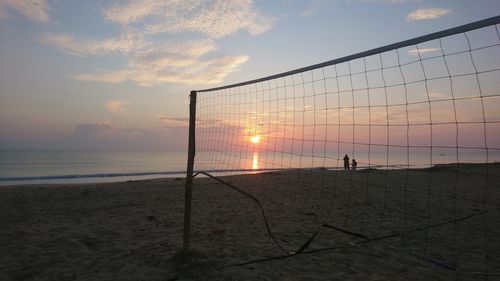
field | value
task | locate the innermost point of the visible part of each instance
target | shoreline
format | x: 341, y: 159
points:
x: 135, y: 176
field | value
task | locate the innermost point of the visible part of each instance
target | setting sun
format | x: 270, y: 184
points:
x: 255, y: 139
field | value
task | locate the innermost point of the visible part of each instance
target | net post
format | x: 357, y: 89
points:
x: 189, y: 172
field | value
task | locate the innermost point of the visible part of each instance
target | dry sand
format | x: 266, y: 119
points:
x: 431, y: 224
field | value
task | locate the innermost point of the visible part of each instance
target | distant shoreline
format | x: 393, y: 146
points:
x: 137, y: 176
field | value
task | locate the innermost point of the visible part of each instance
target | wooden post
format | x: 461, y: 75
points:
x: 189, y: 172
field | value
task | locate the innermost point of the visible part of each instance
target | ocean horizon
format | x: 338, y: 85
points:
x: 19, y: 167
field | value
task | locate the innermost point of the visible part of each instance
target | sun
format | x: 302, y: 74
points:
x: 255, y: 139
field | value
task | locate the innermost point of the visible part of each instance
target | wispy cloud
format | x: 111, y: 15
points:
x: 116, y: 105
x: 416, y: 52
x: 315, y: 6
x: 151, y: 60
x: 152, y: 63
x: 173, y: 54
x: 384, y: 1
x: 107, y: 135
x: 183, y: 120
x: 426, y: 14
x: 174, y: 121
x: 199, y: 72
x: 214, y: 18
x: 437, y: 95
x: 83, y: 47
x: 132, y: 11
x: 36, y: 10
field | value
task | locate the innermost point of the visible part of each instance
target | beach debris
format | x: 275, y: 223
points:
x: 151, y: 218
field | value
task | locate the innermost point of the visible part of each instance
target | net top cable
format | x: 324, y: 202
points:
x: 436, y: 35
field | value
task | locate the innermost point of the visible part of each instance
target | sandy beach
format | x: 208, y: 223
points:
x: 441, y: 223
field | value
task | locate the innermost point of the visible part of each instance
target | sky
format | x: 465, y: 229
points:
x: 117, y: 74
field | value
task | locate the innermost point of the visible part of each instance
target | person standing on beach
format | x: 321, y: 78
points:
x: 346, y: 162
x: 354, y: 164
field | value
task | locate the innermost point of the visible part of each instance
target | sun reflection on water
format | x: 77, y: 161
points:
x: 255, y: 161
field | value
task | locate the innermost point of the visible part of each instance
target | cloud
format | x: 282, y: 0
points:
x: 152, y: 60
x: 314, y: 7
x: 35, y: 10
x: 151, y: 63
x: 207, y: 71
x: 111, y: 77
x: 386, y: 1
x: 107, y: 135
x: 132, y: 11
x: 83, y: 47
x: 116, y: 105
x: 86, y: 131
x: 173, y: 54
x: 110, y: 136
x: 216, y: 18
x: 183, y: 120
x: 426, y: 14
x: 174, y: 121
x: 416, y: 52
x: 437, y: 95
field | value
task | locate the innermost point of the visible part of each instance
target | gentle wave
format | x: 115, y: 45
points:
x: 81, y: 176
x: 112, y: 175
x: 138, y: 174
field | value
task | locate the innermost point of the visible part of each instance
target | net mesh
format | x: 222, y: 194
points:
x: 422, y: 123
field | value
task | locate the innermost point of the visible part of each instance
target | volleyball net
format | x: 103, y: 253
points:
x: 397, y: 144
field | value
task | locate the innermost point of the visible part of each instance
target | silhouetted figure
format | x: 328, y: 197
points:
x: 354, y: 164
x: 346, y: 162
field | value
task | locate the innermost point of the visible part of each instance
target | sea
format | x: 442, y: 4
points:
x: 85, y: 166
x: 19, y: 167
